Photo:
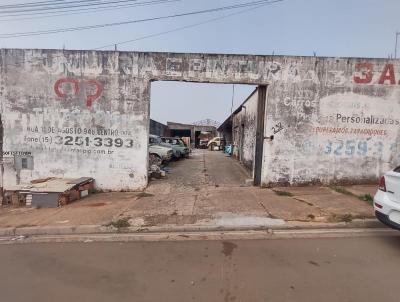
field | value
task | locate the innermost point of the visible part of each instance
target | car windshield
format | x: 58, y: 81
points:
x: 174, y: 141
x: 154, y: 140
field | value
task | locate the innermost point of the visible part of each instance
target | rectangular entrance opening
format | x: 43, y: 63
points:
x: 216, y: 122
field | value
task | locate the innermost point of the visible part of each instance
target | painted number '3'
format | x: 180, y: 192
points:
x: 98, y: 142
x: 108, y: 142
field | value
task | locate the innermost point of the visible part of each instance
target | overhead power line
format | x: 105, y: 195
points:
x: 62, y: 5
x: 53, y: 3
x: 67, y: 6
x: 162, y: 33
x: 41, y: 15
x: 79, y: 28
x: 43, y: 3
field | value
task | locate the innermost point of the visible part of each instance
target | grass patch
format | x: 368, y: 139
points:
x: 340, y: 218
x: 94, y: 191
x: 367, y: 197
x: 283, y: 193
x: 144, y: 195
x: 342, y: 190
x: 120, y: 223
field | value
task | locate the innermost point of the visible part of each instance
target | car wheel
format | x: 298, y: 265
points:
x: 155, y: 159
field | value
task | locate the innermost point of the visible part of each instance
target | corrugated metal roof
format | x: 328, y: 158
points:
x: 53, y: 185
x: 81, y: 180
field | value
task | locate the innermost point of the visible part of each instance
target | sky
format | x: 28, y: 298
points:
x: 339, y: 28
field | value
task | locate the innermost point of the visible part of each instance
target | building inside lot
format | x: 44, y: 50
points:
x: 240, y: 129
x: 192, y: 131
x: 159, y: 129
x: 67, y: 113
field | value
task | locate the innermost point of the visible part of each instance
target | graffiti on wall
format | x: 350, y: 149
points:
x: 277, y: 128
x: 76, y: 86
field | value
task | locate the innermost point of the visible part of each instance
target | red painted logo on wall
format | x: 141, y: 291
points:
x: 365, y: 74
x: 76, y: 87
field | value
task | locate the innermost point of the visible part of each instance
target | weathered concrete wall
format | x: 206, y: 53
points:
x: 1, y: 158
x: 86, y: 113
x: 237, y: 135
x: 244, y: 129
x: 333, y: 121
x: 71, y: 114
x: 249, y: 120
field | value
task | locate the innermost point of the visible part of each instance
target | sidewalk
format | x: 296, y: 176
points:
x: 164, y: 206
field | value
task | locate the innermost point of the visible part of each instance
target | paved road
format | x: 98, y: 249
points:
x: 345, y: 269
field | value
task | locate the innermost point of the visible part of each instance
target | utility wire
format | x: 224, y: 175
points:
x: 177, y: 29
x: 39, y: 3
x: 44, y: 3
x: 60, y: 30
x: 83, y: 11
x: 187, y: 26
x: 58, y: 8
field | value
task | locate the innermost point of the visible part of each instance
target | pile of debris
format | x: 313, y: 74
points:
x: 156, y: 172
x: 48, y: 192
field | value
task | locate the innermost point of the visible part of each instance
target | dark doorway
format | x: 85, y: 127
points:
x: 180, y: 133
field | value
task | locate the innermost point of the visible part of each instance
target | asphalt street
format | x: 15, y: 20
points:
x: 324, y: 269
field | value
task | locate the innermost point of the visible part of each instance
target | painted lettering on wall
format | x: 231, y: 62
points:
x: 20, y: 153
x: 344, y: 130
x: 354, y: 147
x: 87, y: 141
x: 76, y: 87
x: 365, y: 70
x: 364, y: 74
x: 174, y: 67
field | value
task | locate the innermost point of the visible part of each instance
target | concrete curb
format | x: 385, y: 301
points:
x: 100, y: 229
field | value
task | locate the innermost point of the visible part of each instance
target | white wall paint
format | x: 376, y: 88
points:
x: 246, y: 121
x: 66, y: 136
x: 305, y: 94
x: 323, y: 125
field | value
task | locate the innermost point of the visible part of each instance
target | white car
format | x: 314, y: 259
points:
x: 158, y: 154
x: 387, y: 199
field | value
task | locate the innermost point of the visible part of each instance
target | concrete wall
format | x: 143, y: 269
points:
x: 244, y: 131
x: 86, y: 113
x: 237, y: 136
x: 72, y: 114
x: 333, y: 121
x: 248, y: 116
